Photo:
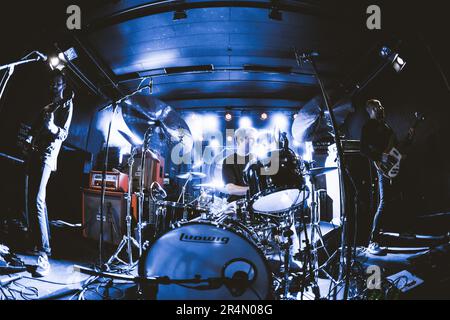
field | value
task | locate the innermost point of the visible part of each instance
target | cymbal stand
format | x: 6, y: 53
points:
x: 140, y: 195
x: 127, y: 239
x: 316, y: 232
x: 182, y: 198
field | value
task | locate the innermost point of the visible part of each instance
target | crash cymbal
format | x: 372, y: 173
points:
x: 191, y: 175
x: 142, y: 111
x: 320, y: 170
x: 313, y: 122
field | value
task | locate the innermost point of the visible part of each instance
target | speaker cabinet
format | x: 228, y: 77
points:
x: 114, y: 224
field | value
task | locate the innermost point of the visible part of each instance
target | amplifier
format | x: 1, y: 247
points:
x: 154, y: 171
x: 115, y: 181
x: 114, y: 224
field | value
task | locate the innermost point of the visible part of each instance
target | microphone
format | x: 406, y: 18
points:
x: 41, y: 56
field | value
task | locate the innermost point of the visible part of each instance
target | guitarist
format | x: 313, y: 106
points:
x: 376, y: 138
x: 46, y: 136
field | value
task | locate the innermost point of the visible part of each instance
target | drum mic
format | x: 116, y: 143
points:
x: 238, y: 283
x: 238, y: 275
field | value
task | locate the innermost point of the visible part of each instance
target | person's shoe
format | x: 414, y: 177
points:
x: 42, y: 267
x: 375, y: 249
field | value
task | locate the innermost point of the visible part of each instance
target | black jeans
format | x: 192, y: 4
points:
x: 384, y: 191
x: 38, y: 175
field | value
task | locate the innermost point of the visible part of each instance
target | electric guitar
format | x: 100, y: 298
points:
x: 390, y: 167
x: 49, y: 110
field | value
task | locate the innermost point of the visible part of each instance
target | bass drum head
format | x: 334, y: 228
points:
x: 207, y: 250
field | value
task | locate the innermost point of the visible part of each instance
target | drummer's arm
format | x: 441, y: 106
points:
x: 236, y: 190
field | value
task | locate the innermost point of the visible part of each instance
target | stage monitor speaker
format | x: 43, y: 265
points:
x: 114, y: 224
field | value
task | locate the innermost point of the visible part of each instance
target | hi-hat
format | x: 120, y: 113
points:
x: 191, y: 175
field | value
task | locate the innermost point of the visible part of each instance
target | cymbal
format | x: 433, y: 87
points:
x: 320, y: 170
x: 313, y: 122
x: 191, y: 175
x: 141, y: 111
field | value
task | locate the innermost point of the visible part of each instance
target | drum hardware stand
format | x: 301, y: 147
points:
x: 316, y: 232
x: 346, y: 253
x: 308, y: 257
x: 127, y: 239
x: 140, y: 195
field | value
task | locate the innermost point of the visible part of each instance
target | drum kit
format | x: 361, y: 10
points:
x: 210, y: 249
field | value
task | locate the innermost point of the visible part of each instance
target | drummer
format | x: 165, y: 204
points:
x: 233, y: 176
x: 234, y: 165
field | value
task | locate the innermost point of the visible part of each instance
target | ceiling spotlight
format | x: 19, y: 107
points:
x: 294, y: 116
x: 396, y: 61
x: 56, y: 63
x: 228, y: 116
x: 59, y: 62
x: 179, y: 14
x: 245, y: 122
x: 264, y: 116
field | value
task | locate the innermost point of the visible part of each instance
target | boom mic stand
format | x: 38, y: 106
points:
x: 11, y: 67
x: 115, y: 104
x: 346, y: 252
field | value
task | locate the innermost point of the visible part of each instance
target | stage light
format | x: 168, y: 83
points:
x: 214, y: 143
x: 210, y: 123
x: 230, y: 138
x: 194, y: 123
x: 396, y: 61
x: 264, y: 116
x: 294, y: 116
x: 280, y: 121
x: 245, y: 122
x: 55, y: 63
x: 179, y: 14
x: 228, y: 116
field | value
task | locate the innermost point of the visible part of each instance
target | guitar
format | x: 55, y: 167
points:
x: 390, y: 167
x: 49, y: 111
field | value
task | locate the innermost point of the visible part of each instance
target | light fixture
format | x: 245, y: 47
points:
x: 396, y: 61
x: 280, y: 121
x: 228, y: 116
x: 179, y: 14
x: 275, y: 13
x: 245, y: 122
x: 264, y: 116
x: 59, y: 62
x: 55, y: 63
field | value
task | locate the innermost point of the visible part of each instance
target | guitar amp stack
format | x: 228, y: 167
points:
x: 115, y: 205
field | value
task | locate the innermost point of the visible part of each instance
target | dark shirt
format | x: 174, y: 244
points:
x: 233, y: 172
x: 375, y: 138
x: 47, y: 143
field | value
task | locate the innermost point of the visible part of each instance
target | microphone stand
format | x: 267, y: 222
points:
x: 346, y: 252
x: 11, y: 68
x: 115, y: 104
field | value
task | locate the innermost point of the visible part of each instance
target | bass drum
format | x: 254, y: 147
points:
x: 210, y: 251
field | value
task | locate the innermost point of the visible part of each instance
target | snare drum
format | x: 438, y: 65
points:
x: 208, y: 250
x: 276, y: 184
